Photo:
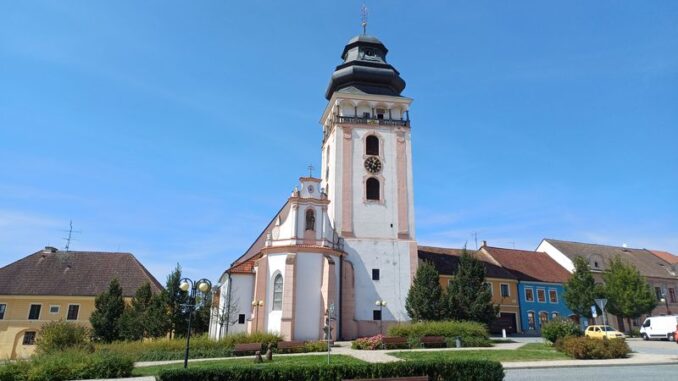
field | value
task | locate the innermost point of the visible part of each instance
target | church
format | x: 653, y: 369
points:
x: 343, y: 245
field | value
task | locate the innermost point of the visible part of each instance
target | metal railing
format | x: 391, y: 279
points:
x: 375, y: 121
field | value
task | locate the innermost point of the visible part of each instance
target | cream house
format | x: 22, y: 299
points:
x: 59, y: 285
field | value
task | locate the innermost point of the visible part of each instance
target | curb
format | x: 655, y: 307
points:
x: 583, y: 365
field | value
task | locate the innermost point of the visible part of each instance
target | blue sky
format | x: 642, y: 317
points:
x: 174, y: 129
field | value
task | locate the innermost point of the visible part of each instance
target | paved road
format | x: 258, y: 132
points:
x: 616, y: 373
x: 654, y: 347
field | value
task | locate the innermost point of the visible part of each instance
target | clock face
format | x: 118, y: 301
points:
x: 373, y: 164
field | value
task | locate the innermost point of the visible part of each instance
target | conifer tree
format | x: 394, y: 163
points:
x: 132, y: 321
x: 176, y: 299
x: 580, y: 289
x: 109, y: 306
x: 425, y: 298
x: 628, y: 293
x: 468, y: 297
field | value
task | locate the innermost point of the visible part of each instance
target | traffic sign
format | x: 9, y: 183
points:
x: 594, y: 311
x: 601, y: 303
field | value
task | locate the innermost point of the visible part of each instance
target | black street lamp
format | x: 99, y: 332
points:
x: 203, y: 286
x: 381, y: 304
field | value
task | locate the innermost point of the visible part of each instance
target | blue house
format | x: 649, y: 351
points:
x: 540, y: 285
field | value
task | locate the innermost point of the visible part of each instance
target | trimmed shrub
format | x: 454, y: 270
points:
x: 587, y: 348
x: 450, y: 328
x: 470, y: 370
x: 474, y: 341
x: 69, y: 365
x: 559, y: 328
x: 57, y: 336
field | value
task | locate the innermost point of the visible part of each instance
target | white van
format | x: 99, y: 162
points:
x: 659, y: 327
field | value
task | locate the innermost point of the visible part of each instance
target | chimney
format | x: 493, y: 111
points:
x: 484, y: 243
x: 49, y: 250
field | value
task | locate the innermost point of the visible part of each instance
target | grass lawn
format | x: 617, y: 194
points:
x: 528, y: 352
x: 300, y: 360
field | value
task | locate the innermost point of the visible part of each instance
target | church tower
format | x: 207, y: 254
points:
x: 367, y: 177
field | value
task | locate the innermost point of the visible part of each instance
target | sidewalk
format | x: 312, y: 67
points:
x: 384, y: 355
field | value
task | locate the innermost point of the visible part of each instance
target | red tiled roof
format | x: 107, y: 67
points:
x: 529, y: 265
x: 246, y: 267
x: 665, y: 255
x: 77, y: 273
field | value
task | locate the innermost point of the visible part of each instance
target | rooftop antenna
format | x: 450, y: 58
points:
x: 475, y: 237
x: 363, y: 12
x: 310, y: 170
x: 70, y: 238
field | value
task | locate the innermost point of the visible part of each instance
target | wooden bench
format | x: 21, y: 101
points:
x: 393, y: 341
x: 246, y: 348
x: 290, y: 346
x: 412, y: 378
x: 433, y: 340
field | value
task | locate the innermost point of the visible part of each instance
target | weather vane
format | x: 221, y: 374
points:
x: 363, y: 11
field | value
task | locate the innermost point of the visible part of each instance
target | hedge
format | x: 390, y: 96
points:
x: 470, y: 370
x: 69, y: 365
x: 587, y: 348
x: 449, y: 328
x: 559, y: 328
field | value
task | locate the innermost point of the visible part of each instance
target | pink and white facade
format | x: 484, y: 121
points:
x: 345, y: 239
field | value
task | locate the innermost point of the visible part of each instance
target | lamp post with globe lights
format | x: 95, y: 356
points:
x: 381, y: 304
x: 202, y: 287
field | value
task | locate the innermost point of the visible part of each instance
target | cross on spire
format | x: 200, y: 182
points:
x: 310, y: 170
x: 363, y: 12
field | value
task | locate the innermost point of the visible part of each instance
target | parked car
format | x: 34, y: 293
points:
x: 659, y: 327
x: 601, y: 331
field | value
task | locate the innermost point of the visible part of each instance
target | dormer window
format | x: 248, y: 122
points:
x: 372, y: 145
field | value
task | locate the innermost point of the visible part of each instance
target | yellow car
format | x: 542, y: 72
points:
x: 601, y: 331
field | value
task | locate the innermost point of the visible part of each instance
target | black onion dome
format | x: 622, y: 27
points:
x: 365, y: 70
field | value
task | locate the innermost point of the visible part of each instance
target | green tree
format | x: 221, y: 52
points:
x: 133, y: 319
x: 109, y: 306
x: 156, y: 318
x: 425, y: 298
x: 580, y: 290
x: 201, y: 316
x: 468, y: 297
x: 628, y: 293
x: 176, y: 299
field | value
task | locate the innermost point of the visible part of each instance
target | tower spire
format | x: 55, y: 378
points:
x: 363, y: 12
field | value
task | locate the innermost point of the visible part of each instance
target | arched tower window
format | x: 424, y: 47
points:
x: 310, y: 219
x: 372, y: 145
x: 372, y: 189
x: 277, y: 292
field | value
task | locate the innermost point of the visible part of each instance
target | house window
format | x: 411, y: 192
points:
x: 380, y: 113
x: 529, y: 295
x: 34, y: 312
x: 73, y: 310
x: 376, y: 315
x: 553, y: 296
x: 54, y: 309
x: 543, y: 318
x: 277, y: 292
x: 372, y: 189
x: 241, y: 319
x: 29, y: 338
x: 372, y: 145
x: 658, y: 293
x: 530, y: 320
x: 3, y: 308
x: 488, y: 285
x: 541, y: 295
x: 504, y: 290
x: 554, y: 315
x: 375, y: 274
x: 310, y: 219
x: 672, y: 295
